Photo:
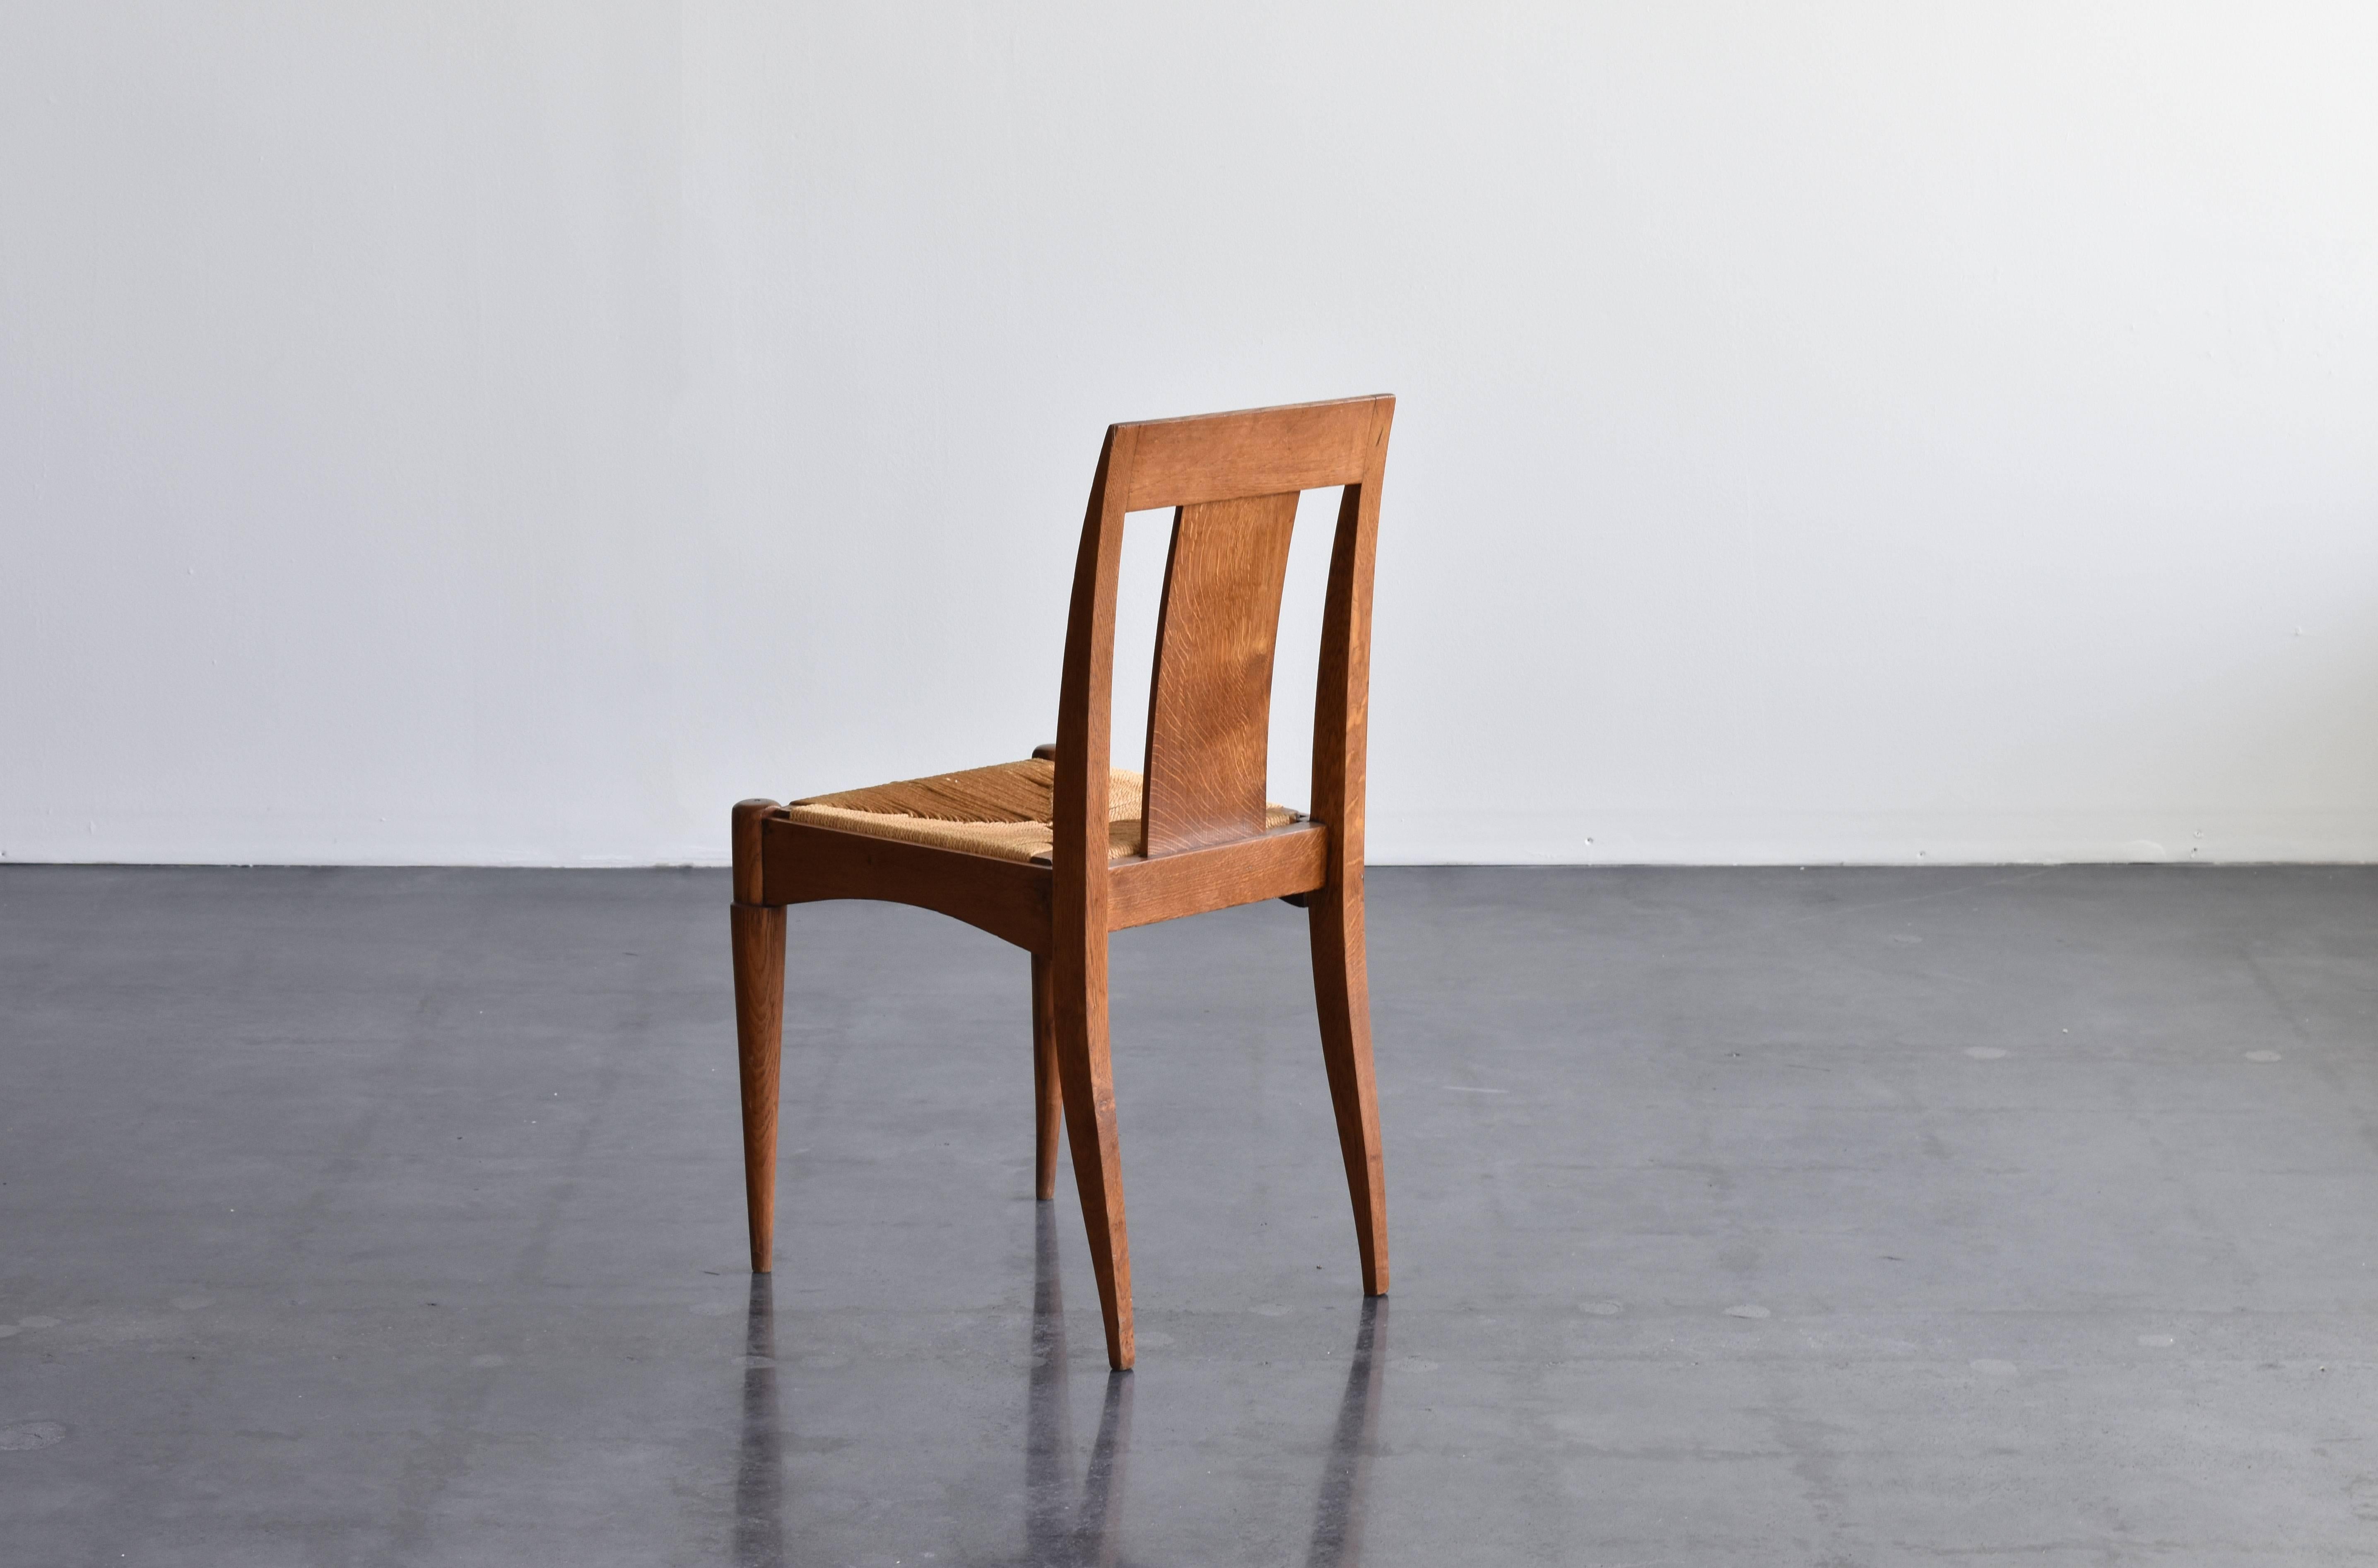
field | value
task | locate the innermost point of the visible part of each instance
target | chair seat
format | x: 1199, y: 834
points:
x: 1003, y: 811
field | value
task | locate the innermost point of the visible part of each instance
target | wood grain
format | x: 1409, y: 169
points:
x: 1048, y: 1089
x: 1283, y: 861
x: 1264, y: 451
x: 1079, y: 893
x: 757, y: 935
x: 759, y: 943
x: 1335, y: 911
x: 1341, y: 994
x: 1209, y: 697
x: 806, y: 863
x: 743, y: 833
x: 1341, y: 701
x: 1078, y: 973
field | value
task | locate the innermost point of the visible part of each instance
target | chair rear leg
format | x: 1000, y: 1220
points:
x: 1048, y: 1092
x: 759, y: 1047
x: 1342, y: 990
x: 1078, y: 978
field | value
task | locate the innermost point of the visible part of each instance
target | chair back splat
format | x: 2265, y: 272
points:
x: 1209, y: 700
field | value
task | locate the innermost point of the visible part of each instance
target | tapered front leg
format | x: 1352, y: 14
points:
x: 1078, y: 976
x: 1342, y: 990
x: 759, y: 1044
x: 759, y: 938
x: 1048, y: 1092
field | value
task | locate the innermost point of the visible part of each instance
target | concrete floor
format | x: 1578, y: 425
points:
x: 1773, y: 1218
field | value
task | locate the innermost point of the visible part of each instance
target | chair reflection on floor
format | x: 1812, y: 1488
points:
x: 759, y: 1469
x: 1345, y: 1478
x: 1063, y: 1527
x: 1056, y: 1530
x: 1062, y: 1533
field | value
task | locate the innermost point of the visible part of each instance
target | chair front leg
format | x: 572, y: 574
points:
x: 1078, y: 979
x: 759, y: 944
x: 1342, y: 990
x: 759, y: 1047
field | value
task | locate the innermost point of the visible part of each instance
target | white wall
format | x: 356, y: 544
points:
x: 513, y: 432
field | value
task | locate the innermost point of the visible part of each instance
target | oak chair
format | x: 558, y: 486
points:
x: 1053, y: 853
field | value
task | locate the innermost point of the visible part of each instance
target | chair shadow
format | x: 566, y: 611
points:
x: 1064, y: 1527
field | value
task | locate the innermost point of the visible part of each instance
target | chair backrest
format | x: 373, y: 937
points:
x: 1233, y: 481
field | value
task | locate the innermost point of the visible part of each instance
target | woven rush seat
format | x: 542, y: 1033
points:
x: 1003, y: 811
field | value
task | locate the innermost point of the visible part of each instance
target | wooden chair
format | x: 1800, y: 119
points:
x: 1054, y: 853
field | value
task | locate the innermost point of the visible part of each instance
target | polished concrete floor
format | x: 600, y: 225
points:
x: 1740, y: 1217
